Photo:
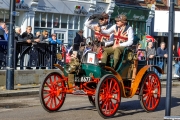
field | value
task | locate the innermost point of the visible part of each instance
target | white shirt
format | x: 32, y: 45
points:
x: 130, y: 33
x: 91, y: 25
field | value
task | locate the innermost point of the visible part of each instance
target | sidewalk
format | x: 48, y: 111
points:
x: 20, y: 90
x: 31, y: 89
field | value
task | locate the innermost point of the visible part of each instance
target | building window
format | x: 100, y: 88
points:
x: 76, y: 22
x: 64, y: 21
x: 49, y: 20
x: 82, y: 20
x: 43, y: 19
x: 71, y: 20
x: 36, y: 20
x: 56, y: 21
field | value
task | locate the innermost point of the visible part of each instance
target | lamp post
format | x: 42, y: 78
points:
x: 10, y: 55
x: 169, y: 65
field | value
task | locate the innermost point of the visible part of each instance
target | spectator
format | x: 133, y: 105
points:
x: 54, y: 40
x: 44, y: 35
x: 77, y: 40
x: 151, y: 53
x: 2, y: 30
x: 29, y: 38
x: 162, y: 53
x: 176, y: 62
x: 18, y: 36
x: 140, y: 53
x: 38, y: 33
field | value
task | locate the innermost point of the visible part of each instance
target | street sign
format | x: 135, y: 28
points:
x: 15, y: 13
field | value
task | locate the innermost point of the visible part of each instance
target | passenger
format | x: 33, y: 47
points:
x: 101, y: 40
x: 102, y: 24
x: 123, y: 35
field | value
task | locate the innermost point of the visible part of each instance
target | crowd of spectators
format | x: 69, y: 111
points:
x: 159, y: 57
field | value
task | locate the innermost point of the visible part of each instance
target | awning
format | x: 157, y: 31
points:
x: 133, y: 13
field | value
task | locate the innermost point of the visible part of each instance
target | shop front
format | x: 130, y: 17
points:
x: 65, y: 18
x: 62, y: 17
x: 137, y: 18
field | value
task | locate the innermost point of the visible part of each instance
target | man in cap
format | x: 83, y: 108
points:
x: 102, y: 24
x: 123, y: 35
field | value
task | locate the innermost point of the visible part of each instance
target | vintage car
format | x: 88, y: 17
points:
x: 103, y: 85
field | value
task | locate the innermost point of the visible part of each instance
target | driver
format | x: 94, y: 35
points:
x: 123, y: 36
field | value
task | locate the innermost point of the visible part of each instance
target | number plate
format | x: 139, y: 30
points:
x: 82, y: 79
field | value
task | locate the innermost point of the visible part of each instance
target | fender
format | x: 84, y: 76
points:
x: 116, y: 74
x: 139, y: 77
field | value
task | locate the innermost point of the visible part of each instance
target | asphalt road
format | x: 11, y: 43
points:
x: 79, y: 108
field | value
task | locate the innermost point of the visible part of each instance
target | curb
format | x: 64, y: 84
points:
x: 11, y: 93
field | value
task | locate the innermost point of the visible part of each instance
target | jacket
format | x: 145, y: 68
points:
x: 51, y: 41
x: 18, y: 37
x: 77, y: 40
x: 150, y: 51
x: 27, y: 36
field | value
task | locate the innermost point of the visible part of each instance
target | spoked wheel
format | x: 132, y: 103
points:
x: 150, y: 93
x: 52, y: 92
x: 108, y: 96
x: 92, y: 100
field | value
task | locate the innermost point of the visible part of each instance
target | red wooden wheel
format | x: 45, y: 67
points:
x: 52, y: 92
x: 108, y: 96
x: 150, y: 93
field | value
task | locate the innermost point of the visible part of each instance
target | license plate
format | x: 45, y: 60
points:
x: 82, y: 79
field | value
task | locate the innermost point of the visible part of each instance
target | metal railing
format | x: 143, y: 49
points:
x: 27, y: 55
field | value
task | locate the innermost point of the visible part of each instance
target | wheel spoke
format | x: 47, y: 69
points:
x: 110, y: 86
x: 48, y: 85
x: 54, y: 98
x: 47, y: 102
x: 51, y: 103
x: 48, y: 95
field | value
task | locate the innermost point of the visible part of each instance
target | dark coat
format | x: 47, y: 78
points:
x: 77, y: 40
x: 18, y: 37
x: 42, y: 38
x: 27, y: 36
